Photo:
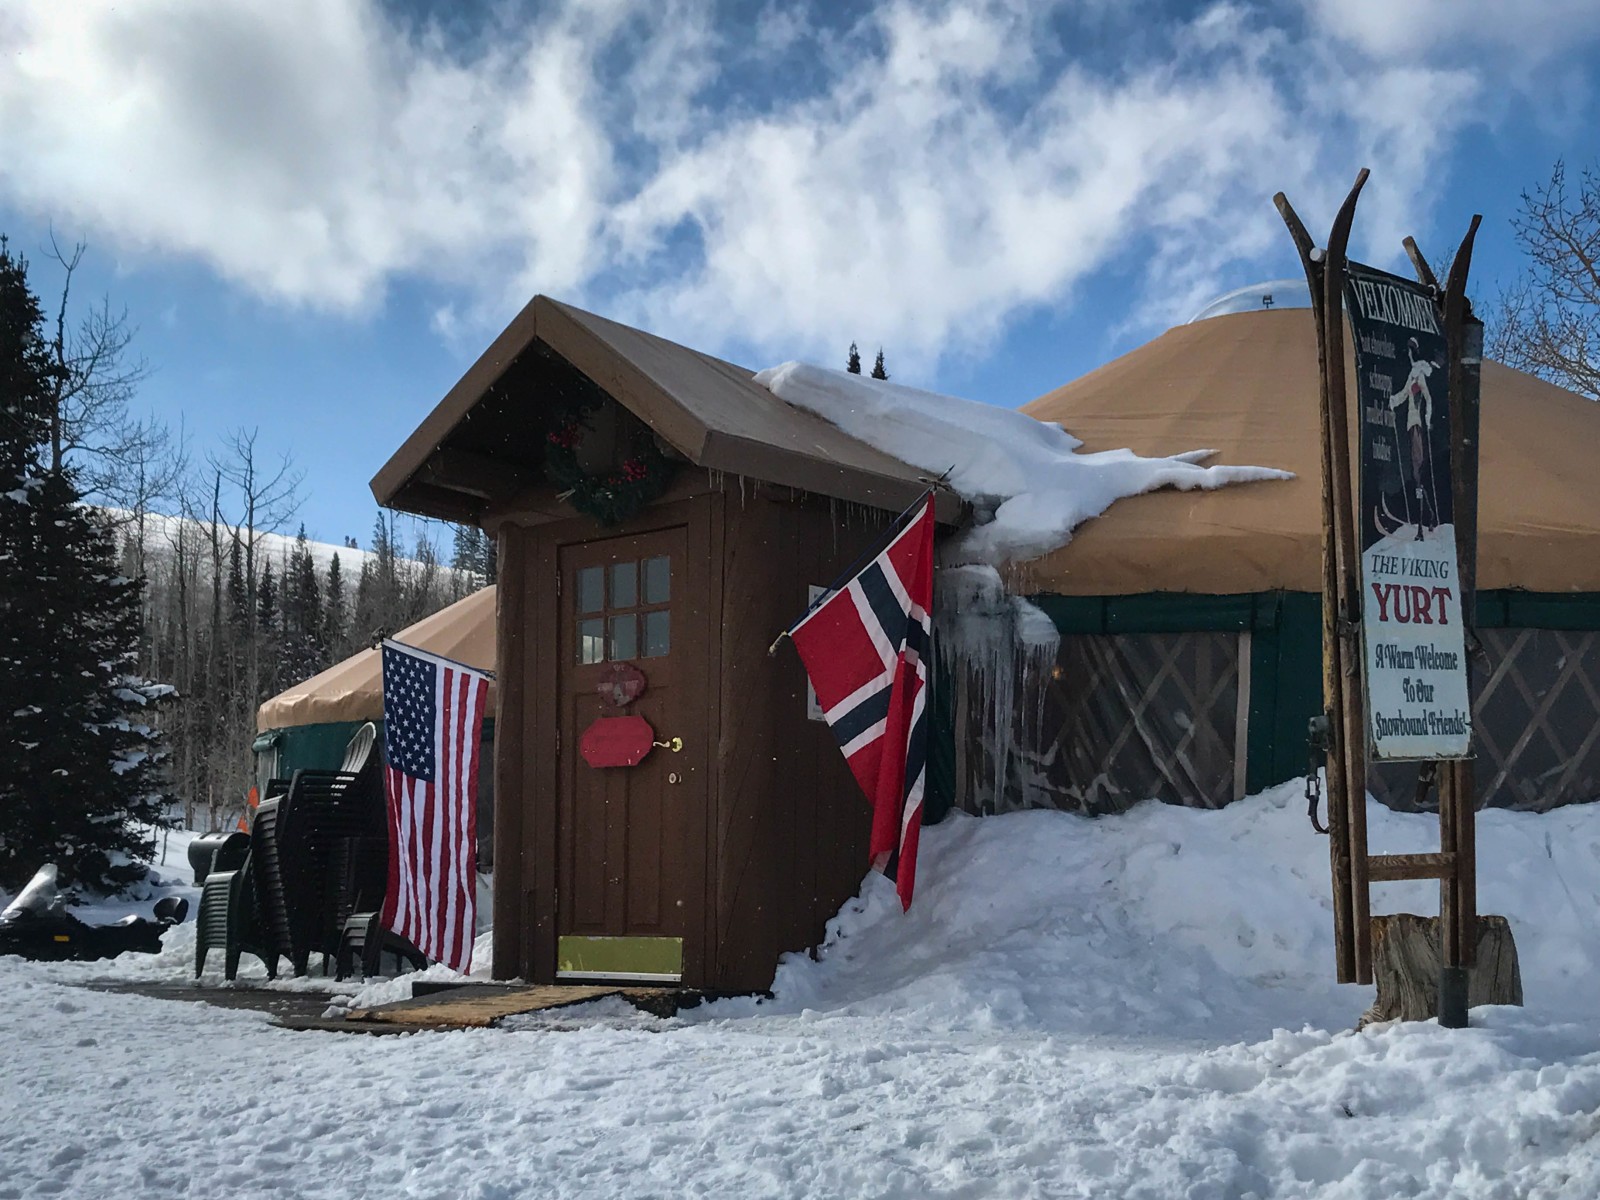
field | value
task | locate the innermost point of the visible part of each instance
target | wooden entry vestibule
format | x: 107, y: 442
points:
x: 763, y: 836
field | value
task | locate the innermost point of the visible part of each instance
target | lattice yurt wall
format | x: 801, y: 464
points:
x: 1536, y: 711
x: 1114, y: 719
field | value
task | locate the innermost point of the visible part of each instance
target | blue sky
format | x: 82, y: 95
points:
x: 318, y: 212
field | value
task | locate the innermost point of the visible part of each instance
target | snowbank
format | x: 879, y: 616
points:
x: 1174, y: 922
x: 1028, y: 474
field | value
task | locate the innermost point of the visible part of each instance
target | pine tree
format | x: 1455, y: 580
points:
x: 385, y: 570
x: 82, y: 775
x: 877, y: 368
x: 491, y: 560
x: 269, y: 642
x: 364, y: 618
x: 464, y: 549
x: 336, y: 612
x: 267, y: 601
x: 853, y: 363
x: 304, y: 645
x: 238, y: 607
x: 420, y: 592
x: 465, y: 556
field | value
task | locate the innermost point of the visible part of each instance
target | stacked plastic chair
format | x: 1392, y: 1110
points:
x: 314, y: 879
x: 228, y: 916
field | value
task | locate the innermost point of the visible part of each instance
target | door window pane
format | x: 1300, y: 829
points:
x: 657, y: 580
x: 657, y: 633
x: 624, y: 584
x: 592, y: 640
x: 591, y: 589
x: 624, y: 637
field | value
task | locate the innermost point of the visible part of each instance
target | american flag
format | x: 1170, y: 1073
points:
x: 433, y: 715
x: 866, y: 650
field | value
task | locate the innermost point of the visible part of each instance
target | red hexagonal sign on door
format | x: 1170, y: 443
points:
x: 616, y: 742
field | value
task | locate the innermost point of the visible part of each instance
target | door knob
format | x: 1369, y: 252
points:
x: 675, y: 744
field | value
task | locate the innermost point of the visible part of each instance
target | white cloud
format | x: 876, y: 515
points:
x: 915, y: 180
x: 309, y: 150
x: 1408, y: 30
x: 906, y: 203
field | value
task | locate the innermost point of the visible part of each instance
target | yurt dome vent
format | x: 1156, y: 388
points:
x: 1274, y: 293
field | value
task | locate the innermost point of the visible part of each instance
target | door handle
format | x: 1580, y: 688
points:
x: 675, y: 744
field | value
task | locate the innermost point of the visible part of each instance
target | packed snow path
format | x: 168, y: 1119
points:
x: 126, y: 1096
x: 1072, y: 1008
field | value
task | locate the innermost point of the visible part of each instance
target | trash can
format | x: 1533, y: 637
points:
x: 217, y: 852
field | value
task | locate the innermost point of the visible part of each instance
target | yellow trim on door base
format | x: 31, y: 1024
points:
x: 648, y: 959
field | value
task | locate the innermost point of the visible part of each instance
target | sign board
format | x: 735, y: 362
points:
x: 1417, y: 700
x: 616, y: 742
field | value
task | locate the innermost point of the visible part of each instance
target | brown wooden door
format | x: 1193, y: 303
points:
x: 625, y: 894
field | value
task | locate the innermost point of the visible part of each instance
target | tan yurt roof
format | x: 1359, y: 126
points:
x: 1245, y: 385
x: 352, y: 690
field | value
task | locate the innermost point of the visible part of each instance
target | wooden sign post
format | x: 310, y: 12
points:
x: 1399, y: 554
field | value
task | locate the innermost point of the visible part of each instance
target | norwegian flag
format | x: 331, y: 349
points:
x: 432, y: 719
x: 866, y: 650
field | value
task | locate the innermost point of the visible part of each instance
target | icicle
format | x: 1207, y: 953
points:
x: 1004, y: 645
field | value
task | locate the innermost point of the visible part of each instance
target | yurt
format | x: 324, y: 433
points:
x: 308, y: 724
x: 1189, y: 661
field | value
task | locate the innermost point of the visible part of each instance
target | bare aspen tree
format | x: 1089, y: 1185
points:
x: 1548, y: 322
x: 121, y: 459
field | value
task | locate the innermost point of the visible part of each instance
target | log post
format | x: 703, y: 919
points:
x: 1333, y: 665
x: 1349, y: 721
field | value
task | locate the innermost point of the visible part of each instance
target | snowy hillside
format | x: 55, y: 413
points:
x: 1129, y: 1006
x: 161, y: 535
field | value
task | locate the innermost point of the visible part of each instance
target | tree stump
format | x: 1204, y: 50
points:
x: 1405, y: 966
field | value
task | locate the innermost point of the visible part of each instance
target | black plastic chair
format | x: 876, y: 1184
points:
x: 273, y: 883
x: 227, y: 922
x: 365, y: 940
x: 358, y: 751
x: 212, y: 852
x: 328, y: 851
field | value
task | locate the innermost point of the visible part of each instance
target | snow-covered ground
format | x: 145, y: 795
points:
x: 1137, y: 1005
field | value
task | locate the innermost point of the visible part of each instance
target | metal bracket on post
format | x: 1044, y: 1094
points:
x: 1452, y: 997
x: 1317, y: 748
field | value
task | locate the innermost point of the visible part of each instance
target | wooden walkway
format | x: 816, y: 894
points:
x: 439, y: 1007
x: 477, y: 1006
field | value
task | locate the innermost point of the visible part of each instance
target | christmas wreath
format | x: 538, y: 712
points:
x: 613, y: 496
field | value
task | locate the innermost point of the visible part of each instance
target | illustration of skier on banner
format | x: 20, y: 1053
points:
x: 1422, y: 488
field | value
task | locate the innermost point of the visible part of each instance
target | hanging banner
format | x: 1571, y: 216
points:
x: 1416, y: 665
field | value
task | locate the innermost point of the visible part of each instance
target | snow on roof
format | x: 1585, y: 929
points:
x: 1027, y: 473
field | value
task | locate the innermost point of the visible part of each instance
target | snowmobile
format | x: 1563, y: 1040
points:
x: 37, y: 925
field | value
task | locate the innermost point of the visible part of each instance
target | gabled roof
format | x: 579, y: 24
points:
x: 473, y: 448
x: 1246, y: 386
